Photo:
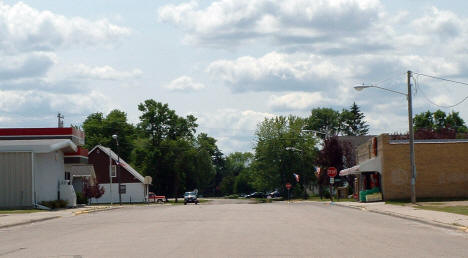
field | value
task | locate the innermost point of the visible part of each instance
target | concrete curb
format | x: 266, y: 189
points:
x: 94, y: 210
x: 29, y: 222
x: 393, y: 214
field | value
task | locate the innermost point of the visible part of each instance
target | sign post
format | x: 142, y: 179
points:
x: 332, y: 172
x: 288, y: 186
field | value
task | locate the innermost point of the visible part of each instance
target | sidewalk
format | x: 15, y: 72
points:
x: 437, y: 218
x: 10, y: 220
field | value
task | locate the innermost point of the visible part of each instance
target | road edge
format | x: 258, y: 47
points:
x: 29, y: 222
x: 424, y: 221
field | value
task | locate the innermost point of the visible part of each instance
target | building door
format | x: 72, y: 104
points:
x: 16, y: 184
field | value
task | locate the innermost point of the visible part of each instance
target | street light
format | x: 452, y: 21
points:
x: 410, y: 126
x: 116, y: 138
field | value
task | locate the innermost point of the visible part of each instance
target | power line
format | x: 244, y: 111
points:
x: 439, y: 78
x: 418, y: 88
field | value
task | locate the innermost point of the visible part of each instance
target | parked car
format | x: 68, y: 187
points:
x: 274, y: 194
x: 156, y: 198
x: 190, y: 197
x: 255, y: 195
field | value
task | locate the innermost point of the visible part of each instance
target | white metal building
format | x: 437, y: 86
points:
x: 32, y: 171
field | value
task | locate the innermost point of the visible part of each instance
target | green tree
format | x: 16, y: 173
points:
x: 423, y: 120
x: 158, y: 121
x: 99, y: 130
x: 439, y: 120
x: 324, y: 120
x: 453, y: 120
x: 352, y: 121
x: 283, y: 149
x: 237, y: 163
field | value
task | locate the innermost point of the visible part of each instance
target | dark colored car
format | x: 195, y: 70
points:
x: 190, y: 197
x: 255, y: 195
x: 274, y: 194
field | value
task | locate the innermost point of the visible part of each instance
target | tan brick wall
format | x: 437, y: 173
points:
x: 442, y: 169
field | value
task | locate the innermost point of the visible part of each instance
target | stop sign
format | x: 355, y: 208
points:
x: 332, y: 172
x: 288, y: 186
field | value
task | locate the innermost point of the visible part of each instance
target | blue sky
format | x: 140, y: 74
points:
x: 231, y: 63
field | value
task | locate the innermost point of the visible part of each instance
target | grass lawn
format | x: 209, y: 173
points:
x: 19, y: 211
x: 463, y: 210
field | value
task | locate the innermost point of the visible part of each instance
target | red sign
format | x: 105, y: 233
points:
x: 288, y: 186
x: 332, y: 172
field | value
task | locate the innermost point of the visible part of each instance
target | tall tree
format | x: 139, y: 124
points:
x: 283, y: 149
x: 324, y: 120
x: 158, y: 121
x: 439, y: 120
x: 99, y: 130
x: 352, y: 121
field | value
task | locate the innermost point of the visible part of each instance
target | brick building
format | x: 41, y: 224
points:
x: 441, y: 169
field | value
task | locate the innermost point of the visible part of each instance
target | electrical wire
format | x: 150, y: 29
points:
x: 439, y: 78
x: 419, y: 89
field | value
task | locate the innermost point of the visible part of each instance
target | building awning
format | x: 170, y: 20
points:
x: 37, y: 146
x: 370, y: 165
x: 350, y: 171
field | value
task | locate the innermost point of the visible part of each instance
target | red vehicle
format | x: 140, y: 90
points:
x: 156, y: 198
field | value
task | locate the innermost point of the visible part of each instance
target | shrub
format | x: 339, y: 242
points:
x: 232, y: 196
x: 55, y: 204
x: 81, y: 198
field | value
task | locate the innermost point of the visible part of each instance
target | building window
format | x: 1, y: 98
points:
x: 123, y: 189
x: 114, y: 171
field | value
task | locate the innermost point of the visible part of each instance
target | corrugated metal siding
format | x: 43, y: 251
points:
x: 15, y: 179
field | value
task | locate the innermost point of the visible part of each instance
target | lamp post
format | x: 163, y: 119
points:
x: 116, y: 138
x: 410, y: 128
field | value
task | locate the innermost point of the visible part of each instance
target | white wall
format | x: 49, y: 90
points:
x: 49, y: 170
x: 135, y: 193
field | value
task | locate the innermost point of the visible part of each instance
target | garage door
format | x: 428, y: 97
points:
x: 15, y: 179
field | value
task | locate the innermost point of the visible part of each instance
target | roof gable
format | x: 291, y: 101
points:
x: 124, y: 164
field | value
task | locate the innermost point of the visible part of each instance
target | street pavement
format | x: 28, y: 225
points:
x: 223, y: 229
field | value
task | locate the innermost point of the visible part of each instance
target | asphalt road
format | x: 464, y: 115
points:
x: 232, y: 229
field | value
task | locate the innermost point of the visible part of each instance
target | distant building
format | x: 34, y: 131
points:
x: 133, y: 187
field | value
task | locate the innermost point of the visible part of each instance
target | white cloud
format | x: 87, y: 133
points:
x: 276, y: 72
x: 184, y: 83
x: 35, y: 64
x: 297, y: 101
x: 232, y: 21
x: 102, y: 73
x: 23, y: 28
x: 34, y: 81
x: 234, y: 128
x: 38, y: 103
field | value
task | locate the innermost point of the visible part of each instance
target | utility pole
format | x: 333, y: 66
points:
x: 411, y: 139
x: 116, y: 138
x: 60, y: 120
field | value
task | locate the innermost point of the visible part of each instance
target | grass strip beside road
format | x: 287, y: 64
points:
x: 463, y: 210
x: 20, y: 211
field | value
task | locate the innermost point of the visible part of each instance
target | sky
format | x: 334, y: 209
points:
x: 231, y: 63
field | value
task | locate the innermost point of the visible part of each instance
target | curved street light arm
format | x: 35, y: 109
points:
x: 361, y: 87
